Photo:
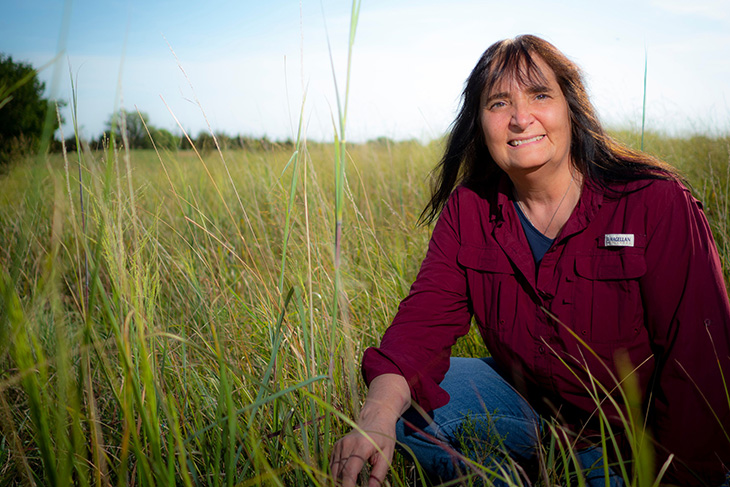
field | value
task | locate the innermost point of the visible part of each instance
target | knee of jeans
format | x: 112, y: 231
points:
x: 594, y: 469
x: 517, y: 436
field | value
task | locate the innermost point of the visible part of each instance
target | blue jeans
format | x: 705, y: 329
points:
x: 487, y: 422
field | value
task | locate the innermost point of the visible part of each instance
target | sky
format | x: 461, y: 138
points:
x: 253, y: 67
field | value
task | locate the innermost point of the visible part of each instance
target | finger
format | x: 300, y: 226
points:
x: 377, y: 477
x: 375, y: 480
x: 351, y: 469
x: 340, y: 469
x: 336, y: 460
x: 380, y: 465
x: 341, y: 452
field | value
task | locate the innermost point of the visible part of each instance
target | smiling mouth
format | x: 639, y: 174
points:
x: 517, y: 143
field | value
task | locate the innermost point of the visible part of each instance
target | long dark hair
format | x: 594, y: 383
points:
x: 599, y: 158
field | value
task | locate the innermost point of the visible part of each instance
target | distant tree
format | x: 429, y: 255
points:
x: 185, y: 142
x: 204, y: 142
x: 129, y: 127
x: 68, y: 142
x: 101, y: 143
x: 224, y: 140
x: 23, y: 108
x: 287, y: 144
x: 164, y: 139
x: 133, y: 127
x: 246, y: 142
x: 258, y: 144
x: 382, y: 140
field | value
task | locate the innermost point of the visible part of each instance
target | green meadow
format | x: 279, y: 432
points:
x: 197, y: 319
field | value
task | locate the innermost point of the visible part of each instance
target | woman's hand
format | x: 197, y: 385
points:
x: 373, y: 441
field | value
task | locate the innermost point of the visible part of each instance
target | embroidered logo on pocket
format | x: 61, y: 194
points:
x: 619, y: 240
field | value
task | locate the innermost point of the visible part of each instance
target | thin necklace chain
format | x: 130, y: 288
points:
x: 524, y: 212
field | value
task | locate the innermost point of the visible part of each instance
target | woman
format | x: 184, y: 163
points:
x: 587, y: 267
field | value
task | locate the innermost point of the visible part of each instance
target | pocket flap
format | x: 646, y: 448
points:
x: 610, y: 266
x: 487, y: 259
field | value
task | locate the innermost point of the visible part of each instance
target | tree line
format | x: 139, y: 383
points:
x: 28, y: 122
x: 133, y: 130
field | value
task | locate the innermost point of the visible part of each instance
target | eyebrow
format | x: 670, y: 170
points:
x: 533, y: 89
x: 538, y: 89
x: 494, y: 96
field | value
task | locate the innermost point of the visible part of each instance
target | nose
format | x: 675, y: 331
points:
x: 521, y: 115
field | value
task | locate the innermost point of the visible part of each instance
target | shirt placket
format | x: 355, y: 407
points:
x: 542, y: 333
x: 547, y: 334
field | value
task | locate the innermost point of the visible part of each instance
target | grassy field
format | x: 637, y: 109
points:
x: 175, y: 319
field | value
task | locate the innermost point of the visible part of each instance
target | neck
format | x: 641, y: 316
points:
x: 548, y: 201
x: 543, y: 185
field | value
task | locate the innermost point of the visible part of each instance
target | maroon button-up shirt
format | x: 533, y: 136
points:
x: 631, y: 285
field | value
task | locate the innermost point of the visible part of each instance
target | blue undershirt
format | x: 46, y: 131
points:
x: 539, y: 243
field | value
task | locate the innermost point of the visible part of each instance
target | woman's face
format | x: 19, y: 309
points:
x: 527, y: 127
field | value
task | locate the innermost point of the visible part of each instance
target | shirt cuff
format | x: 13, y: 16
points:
x: 424, y: 390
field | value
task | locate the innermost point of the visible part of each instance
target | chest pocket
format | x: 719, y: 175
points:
x: 608, y: 296
x: 486, y: 259
x: 492, y: 286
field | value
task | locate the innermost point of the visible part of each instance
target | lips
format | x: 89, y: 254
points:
x: 517, y: 143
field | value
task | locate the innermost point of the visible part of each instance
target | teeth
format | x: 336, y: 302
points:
x: 515, y: 143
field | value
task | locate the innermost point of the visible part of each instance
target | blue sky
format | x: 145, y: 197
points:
x: 249, y: 63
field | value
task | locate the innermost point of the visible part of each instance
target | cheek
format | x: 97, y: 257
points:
x: 563, y: 118
x: 567, y: 128
x: 559, y: 125
x: 489, y: 130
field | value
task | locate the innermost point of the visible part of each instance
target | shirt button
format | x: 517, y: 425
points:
x: 541, y: 349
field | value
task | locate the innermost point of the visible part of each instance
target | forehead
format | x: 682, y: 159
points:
x: 521, y: 74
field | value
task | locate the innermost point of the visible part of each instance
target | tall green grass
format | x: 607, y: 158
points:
x: 188, y: 364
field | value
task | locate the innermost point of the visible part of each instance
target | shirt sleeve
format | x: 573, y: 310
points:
x: 688, y: 317
x: 435, y: 314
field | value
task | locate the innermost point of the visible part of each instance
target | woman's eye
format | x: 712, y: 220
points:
x: 497, y: 104
x: 542, y: 96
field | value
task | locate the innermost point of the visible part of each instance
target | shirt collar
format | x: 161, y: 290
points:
x: 590, y: 201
